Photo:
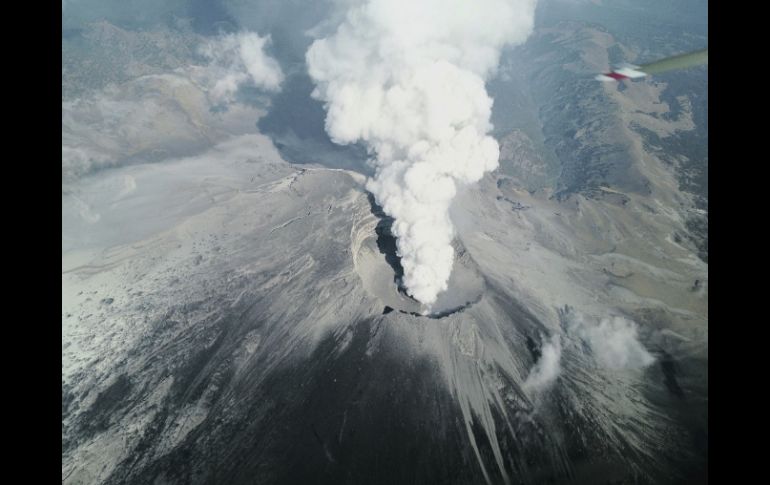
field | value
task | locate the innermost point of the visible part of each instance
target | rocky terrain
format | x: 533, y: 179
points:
x: 230, y: 302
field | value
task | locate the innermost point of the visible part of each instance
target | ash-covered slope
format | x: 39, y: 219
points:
x: 240, y: 342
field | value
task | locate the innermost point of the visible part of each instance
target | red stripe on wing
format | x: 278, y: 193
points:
x: 616, y: 76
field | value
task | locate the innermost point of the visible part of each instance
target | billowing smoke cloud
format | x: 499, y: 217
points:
x: 407, y: 78
x: 238, y: 59
x: 547, y: 369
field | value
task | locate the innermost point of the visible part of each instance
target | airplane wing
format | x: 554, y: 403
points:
x: 683, y: 61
